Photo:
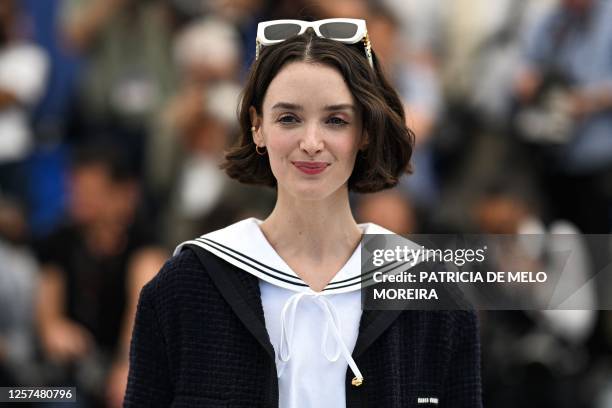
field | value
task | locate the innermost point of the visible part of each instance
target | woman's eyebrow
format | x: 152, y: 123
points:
x: 341, y: 106
x: 287, y: 105
x: 293, y: 106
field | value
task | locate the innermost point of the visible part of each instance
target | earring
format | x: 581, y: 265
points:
x: 253, y: 130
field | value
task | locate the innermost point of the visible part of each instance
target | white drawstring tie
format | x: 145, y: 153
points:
x: 332, y: 322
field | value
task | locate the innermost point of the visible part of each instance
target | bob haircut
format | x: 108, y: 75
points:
x: 389, y: 141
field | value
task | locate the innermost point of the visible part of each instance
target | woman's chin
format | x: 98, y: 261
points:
x: 312, y: 191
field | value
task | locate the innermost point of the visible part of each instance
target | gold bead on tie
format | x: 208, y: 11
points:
x: 357, y: 381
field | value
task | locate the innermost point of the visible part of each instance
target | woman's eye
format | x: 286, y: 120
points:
x: 337, y: 121
x: 287, y: 119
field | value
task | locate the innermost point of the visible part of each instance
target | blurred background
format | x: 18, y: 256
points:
x: 114, y: 115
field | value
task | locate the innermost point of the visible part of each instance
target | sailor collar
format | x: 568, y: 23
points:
x: 244, y: 245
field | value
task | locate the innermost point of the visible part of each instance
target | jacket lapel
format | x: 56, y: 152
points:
x: 241, y: 291
x: 373, y: 324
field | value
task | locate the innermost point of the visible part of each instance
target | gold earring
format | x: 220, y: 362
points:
x: 254, y: 129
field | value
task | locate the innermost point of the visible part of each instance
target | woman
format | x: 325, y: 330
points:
x: 268, y: 313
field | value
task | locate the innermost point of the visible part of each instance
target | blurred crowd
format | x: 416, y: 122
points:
x: 114, y: 116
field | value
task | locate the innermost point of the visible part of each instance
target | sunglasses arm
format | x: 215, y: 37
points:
x: 257, y: 49
x: 368, y: 49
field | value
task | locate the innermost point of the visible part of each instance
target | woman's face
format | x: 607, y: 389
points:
x: 311, y: 128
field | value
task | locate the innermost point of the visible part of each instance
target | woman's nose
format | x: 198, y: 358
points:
x: 311, y: 142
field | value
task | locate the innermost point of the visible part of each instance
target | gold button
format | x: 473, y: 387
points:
x: 357, y: 381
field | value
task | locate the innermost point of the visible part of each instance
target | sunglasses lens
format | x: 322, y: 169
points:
x: 338, y: 31
x: 281, y: 31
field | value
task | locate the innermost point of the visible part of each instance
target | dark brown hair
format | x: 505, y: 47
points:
x: 389, y: 141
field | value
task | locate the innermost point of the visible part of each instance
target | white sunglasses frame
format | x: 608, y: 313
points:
x: 360, y: 34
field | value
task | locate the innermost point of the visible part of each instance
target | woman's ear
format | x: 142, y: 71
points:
x: 365, y: 141
x: 256, y: 127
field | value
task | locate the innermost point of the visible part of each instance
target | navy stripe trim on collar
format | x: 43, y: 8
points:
x: 359, y: 279
x: 212, y: 244
x: 246, y: 256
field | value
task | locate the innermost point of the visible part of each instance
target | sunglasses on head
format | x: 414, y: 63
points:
x: 345, y: 30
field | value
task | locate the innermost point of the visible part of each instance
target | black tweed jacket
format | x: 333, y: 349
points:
x: 200, y: 341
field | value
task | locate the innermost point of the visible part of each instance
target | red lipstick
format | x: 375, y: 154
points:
x: 309, y: 167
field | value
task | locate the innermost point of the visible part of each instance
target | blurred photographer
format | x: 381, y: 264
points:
x: 564, y: 91
x: 92, y: 269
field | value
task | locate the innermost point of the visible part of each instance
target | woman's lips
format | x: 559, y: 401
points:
x: 310, y: 167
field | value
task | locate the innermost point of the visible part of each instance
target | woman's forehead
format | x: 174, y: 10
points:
x: 308, y: 86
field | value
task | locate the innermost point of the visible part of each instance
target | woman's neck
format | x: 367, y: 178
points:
x: 315, y: 229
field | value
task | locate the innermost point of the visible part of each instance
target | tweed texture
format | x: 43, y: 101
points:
x: 190, y: 349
